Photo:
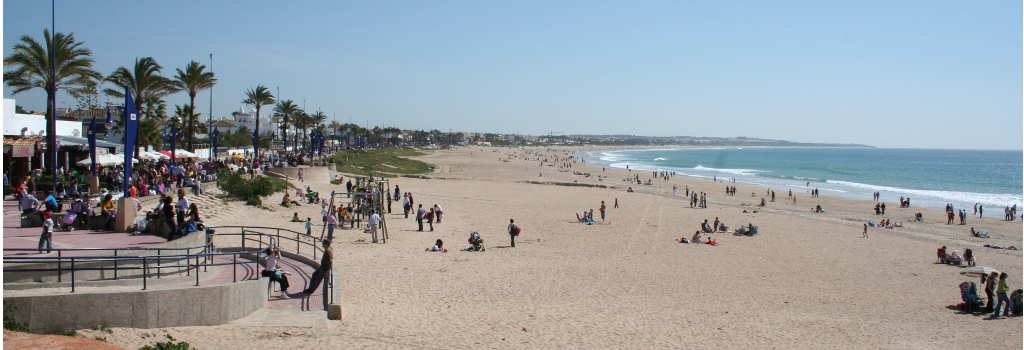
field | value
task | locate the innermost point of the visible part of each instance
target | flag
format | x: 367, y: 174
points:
x: 131, y: 128
x: 174, y: 135
x: 92, y: 143
x: 213, y: 143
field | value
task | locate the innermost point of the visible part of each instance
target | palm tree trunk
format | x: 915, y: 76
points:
x: 191, y: 120
x: 256, y: 139
x: 51, y: 131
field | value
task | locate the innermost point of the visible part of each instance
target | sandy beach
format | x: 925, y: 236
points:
x: 807, y: 281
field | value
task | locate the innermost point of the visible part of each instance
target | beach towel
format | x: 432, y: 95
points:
x: 983, y: 234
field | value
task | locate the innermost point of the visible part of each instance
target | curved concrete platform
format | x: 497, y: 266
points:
x: 171, y: 307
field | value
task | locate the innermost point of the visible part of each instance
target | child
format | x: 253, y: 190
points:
x: 47, y: 235
x: 309, y: 227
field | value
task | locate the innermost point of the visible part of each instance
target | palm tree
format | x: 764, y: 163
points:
x: 301, y: 121
x: 259, y: 96
x: 71, y: 68
x: 144, y: 81
x: 150, y: 132
x: 318, y: 118
x: 193, y: 79
x: 185, y: 115
x: 286, y: 109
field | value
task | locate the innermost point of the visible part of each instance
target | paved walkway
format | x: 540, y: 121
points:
x: 15, y: 236
x: 299, y: 273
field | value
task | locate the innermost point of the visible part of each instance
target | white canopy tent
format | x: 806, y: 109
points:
x: 106, y: 160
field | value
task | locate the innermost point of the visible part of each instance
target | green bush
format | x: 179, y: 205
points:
x: 13, y: 325
x: 168, y: 345
x: 250, y: 190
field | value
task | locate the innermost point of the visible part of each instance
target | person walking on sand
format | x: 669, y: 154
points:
x: 406, y: 205
x: 437, y: 213
x: 420, y: 212
x: 332, y: 220
x: 865, y: 235
x: 990, y: 289
x: 374, y: 222
x: 602, y: 209
x: 1001, y: 296
x: 430, y: 218
x: 616, y: 203
x: 300, y: 176
x: 513, y: 231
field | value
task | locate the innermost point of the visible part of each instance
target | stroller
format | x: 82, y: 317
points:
x: 476, y: 243
x: 969, y: 296
x: 749, y: 230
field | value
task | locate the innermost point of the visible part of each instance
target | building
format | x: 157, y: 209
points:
x: 25, y: 142
x: 241, y: 118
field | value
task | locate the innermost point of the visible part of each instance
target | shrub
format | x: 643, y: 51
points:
x: 168, y: 345
x: 250, y: 190
x: 13, y: 325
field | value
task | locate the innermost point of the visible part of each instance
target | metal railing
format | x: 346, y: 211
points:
x: 70, y: 261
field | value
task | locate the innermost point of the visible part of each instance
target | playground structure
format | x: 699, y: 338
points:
x: 368, y: 195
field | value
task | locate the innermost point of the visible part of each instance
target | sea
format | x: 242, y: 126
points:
x: 931, y: 178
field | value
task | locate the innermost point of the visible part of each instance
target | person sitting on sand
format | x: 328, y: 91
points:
x: 438, y: 247
x: 287, y: 201
x: 295, y: 217
x: 696, y: 237
x: 476, y: 243
x: 941, y: 253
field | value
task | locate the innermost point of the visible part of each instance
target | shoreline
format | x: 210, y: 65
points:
x: 844, y: 189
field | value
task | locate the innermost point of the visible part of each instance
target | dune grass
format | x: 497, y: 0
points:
x: 381, y: 162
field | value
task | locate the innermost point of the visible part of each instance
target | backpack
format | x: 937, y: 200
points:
x: 516, y: 230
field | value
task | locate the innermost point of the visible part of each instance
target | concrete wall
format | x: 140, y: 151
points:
x: 185, y: 306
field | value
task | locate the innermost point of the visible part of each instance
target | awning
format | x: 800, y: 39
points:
x: 179, y: 153
x: 106, y: 160
x: 84, y: 142
x: 21, y: 147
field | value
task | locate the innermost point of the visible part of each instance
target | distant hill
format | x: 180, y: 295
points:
x: 694, y: 140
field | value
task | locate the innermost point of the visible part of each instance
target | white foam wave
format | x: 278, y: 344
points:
x: 659, y: 159
x: 993, y: 199
x: 729, y: 171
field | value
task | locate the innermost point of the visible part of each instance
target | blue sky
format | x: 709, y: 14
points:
x: 921, y: 74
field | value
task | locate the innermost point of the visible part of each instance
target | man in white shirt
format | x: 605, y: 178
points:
x: 374, y: 222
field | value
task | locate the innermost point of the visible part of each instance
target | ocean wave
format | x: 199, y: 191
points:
x: 730, y: 171
x: 993, y: 199
x: 659, y: 159
x: 610, y: 157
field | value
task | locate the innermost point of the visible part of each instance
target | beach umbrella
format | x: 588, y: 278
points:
x: 978, y: 271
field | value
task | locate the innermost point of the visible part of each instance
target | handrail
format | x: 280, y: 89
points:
x: 203, y: 258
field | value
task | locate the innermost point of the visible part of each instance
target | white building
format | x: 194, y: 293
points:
x: 242, y: 118
x: 18, y: 124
